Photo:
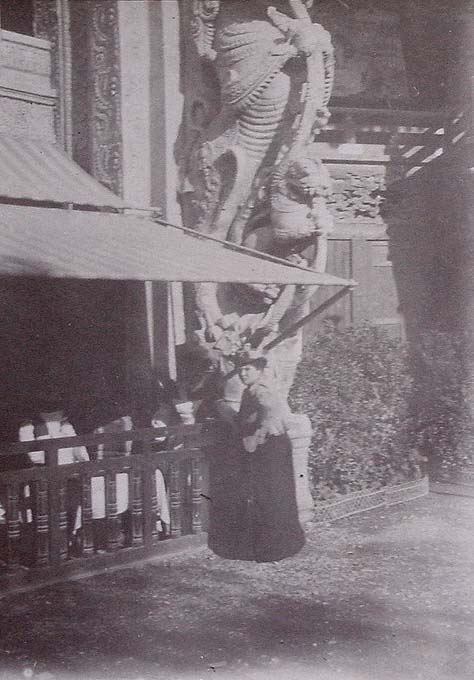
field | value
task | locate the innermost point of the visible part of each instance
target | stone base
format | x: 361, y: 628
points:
x: 300, y: 433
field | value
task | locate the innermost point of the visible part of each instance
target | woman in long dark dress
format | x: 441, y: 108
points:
x: 254, y: 515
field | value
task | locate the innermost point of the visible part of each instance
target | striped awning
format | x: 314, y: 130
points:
x: 35, y: 171
x: 82, y: 244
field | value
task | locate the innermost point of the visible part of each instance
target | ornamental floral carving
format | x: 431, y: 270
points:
x: 105, y: 62
x: 357, y: 196
x: 96, y: 106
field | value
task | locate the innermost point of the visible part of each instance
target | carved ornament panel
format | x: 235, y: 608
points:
x: 357, y: 195
x: 105, y: 63
x: 96, y: 108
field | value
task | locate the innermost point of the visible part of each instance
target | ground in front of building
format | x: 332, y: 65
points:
x: 387, y: 595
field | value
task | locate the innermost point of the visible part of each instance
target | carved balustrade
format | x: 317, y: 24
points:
x: 35, y: 529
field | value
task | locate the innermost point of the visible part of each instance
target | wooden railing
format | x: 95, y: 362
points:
x: 46, y: 531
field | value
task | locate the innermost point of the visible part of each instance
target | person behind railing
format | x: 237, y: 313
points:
x: 8, y: 463
x: 164, y: 416
x: 54, y: 424
x: 171, y: 409
x: 106, y: 451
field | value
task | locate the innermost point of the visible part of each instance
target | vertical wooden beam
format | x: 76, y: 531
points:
x: 134, y: 35
x: 165, y: 129
x: 151, y: 112
x: 135, y: 103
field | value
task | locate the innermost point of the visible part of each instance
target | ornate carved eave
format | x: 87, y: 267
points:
x: 372, y: 153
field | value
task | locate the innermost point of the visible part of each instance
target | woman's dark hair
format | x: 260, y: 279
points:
x: 248, y: 359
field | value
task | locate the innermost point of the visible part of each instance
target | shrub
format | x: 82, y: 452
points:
x: 355, y: 385
x: 380, y: 407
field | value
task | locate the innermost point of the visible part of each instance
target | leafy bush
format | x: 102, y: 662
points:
x: 380, y: 408
x: 355, y: 386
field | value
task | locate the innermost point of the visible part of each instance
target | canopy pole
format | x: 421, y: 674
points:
x: 296, y: 326
x: 150, y: 320
x: 302, y: 322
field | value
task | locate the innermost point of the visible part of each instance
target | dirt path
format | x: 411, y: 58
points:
x: 388, y: 595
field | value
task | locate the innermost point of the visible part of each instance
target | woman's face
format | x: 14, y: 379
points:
x: 249, y: 374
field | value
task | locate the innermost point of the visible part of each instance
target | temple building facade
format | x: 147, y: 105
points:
x: 137, y: 93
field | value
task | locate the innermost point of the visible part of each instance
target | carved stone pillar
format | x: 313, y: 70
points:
x: 257, y: 81
x: 96, y: 109
x: 86, y: 71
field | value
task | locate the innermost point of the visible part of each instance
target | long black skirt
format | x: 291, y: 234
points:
x: 253, y: 511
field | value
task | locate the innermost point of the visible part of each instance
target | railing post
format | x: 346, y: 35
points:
x: 136, y: 506
x: 186, y: 487
x: 150, y: 504
x: 113, y: 526
x: 87, y: 525
x: 42, y: 522
x: 63, y: 519
x: 13, y: 525
x: 52, y: 511
x: 154, y: 504
x: 175, y: 500
x: 196, y: 495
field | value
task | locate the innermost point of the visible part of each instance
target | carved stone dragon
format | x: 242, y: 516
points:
x: 252, y: 176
